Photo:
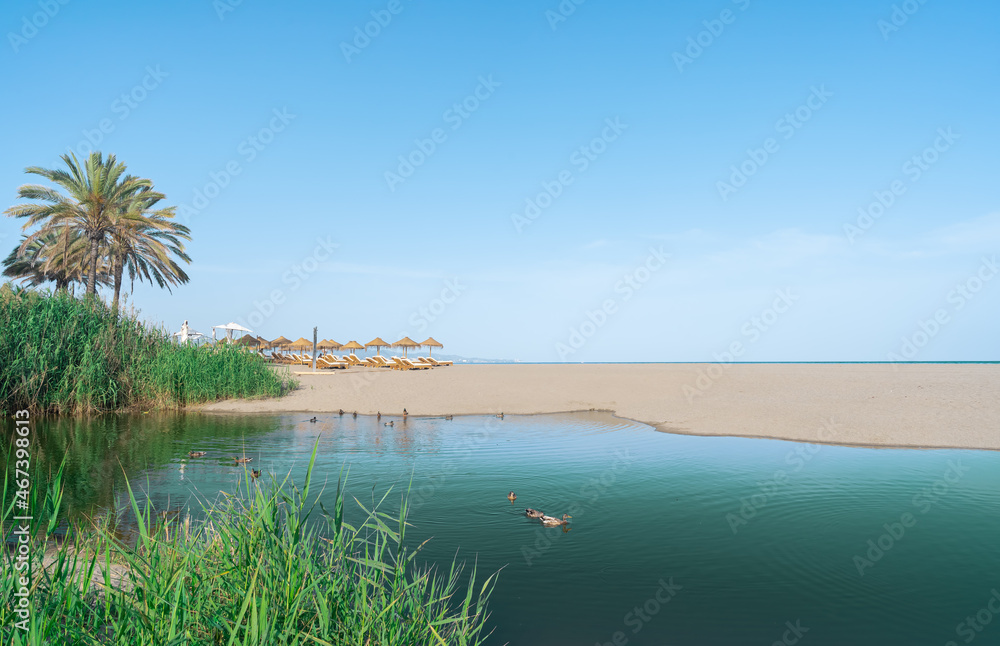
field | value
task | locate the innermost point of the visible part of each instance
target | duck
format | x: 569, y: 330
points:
x: 389, y: 423
x: 341, y: 412
x: 313, y: 420
x: 197, y: 454
x: 500, y: 415
x: 405, y: 413
x: 550, y: 521
x: 533, y: 513
x: 448, y: 416
x: 237, y: 460
x: 512, y: 496
x: 355, y: 414
x: 254, y: 473
x: 378, y: 415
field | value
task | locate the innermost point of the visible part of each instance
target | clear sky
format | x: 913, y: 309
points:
x: 636, y: 181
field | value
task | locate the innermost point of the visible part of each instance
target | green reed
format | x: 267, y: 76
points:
x: 262, y: 567
x: 61, y: 354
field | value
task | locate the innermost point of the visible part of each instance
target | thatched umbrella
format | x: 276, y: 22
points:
x: 376, y: 343
x: 302, y: 344
x: 263, y: 343
x: 247, y: 340
x: 431, y: 343
x: 352, y: 346
x: 327, y: 344
x: 405, y: 342
x: 280, y: 342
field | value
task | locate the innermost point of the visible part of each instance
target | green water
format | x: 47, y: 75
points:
x: 674, y: 539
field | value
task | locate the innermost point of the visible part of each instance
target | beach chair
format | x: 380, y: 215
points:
x: 354, y: 361
x: 398, y: 364
x: 436, y: 363
x: 416, y: 366
x: 329, y: 362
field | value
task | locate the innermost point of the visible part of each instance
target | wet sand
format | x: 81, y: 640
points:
x: 906, y: 405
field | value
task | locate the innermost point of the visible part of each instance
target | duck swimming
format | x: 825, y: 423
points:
x: 448, y: 416
x: 197, y: 454
x: 512, y: 496
x: 254, y: 473
x: 355, y: 414
x: 550, y: 521
x: 533, y: 513
x: 500, y: 415
x: 389, y: 423
x: 237, y: 460
x: 313, y: 420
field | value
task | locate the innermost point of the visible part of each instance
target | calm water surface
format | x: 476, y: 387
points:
x: 674, y: 539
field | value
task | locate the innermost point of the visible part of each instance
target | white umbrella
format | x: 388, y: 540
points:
x: 230, y: 328
x: 187, y: 333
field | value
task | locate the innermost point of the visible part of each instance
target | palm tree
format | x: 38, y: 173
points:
x: 98, y: 192
x: 143, y: 241
x: 58, y: 256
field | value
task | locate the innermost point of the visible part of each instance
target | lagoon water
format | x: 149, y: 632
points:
x: 674, y: 539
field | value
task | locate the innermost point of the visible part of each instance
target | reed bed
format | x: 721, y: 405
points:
x: 263, y: 566
x: 60, y: 354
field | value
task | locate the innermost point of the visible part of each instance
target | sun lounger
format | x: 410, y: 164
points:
x: 397, y: 364
x: 381, y: 362
x: 329, y: 362
x: 417, y: 366
x: 436, y: 363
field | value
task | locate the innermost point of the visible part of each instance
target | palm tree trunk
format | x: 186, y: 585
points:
x: 95, y: 248
x: 119, y: 267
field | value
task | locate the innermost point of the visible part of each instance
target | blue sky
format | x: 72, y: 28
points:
x: 596, y: 182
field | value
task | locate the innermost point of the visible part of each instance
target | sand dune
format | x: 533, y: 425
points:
x: 911, y: 405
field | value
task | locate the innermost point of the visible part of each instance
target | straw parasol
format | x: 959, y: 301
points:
x: 247, y: 340
x: 376, y: 343
x: 352, y: 346
x: 405, y: 342
x: 280, y: 342
x: 431, y: 343
x: 302, y: 344
x: 327, y: 344
x: 264, y: 343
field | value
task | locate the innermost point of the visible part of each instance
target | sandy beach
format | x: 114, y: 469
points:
x: 909, y: 405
